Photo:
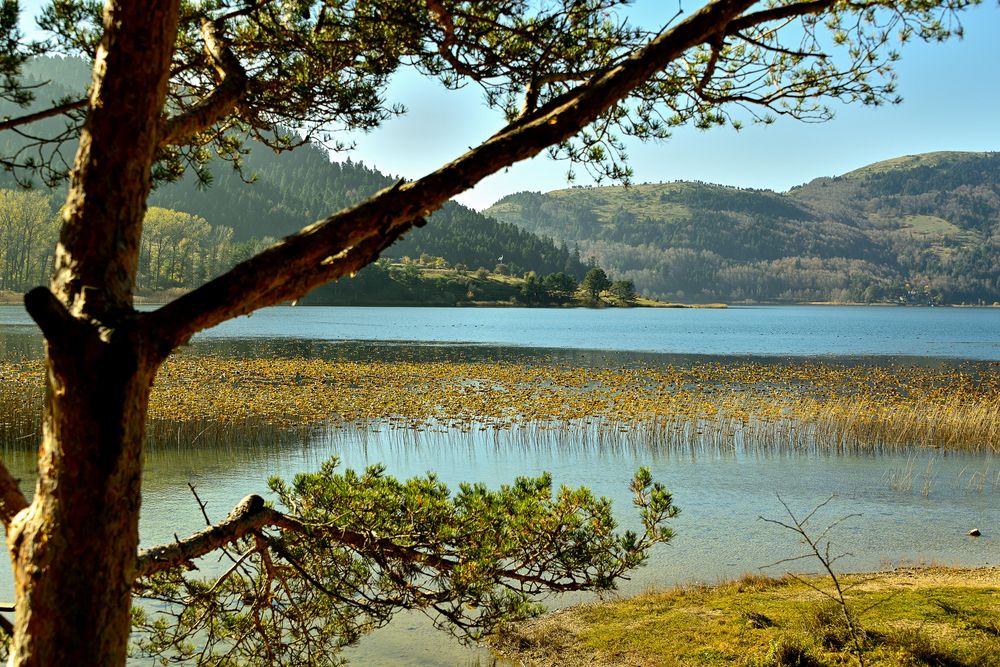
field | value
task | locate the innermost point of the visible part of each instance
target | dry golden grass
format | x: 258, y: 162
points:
x: 728, y: 405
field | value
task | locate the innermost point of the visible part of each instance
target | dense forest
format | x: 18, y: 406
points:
x: 916, y: 229
x: 431, y: 281
x: 292, y: 189
x: 196, y: 229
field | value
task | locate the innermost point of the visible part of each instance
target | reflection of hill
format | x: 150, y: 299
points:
x: 880, y: 233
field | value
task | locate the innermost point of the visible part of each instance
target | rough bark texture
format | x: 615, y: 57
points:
x: 74, y: 547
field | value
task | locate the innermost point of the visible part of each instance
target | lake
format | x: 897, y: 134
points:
x: 914, y: 506
x: 959, y: 333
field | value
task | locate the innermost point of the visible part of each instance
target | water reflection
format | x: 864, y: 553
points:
x: 722, y: 492
x: 914, y: 505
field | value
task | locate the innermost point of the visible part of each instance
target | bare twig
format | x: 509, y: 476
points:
x: 201, y: 505
x: 821, y: 552
x: 208, y: 522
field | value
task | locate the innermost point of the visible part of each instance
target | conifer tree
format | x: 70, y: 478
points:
x: 173, y: 82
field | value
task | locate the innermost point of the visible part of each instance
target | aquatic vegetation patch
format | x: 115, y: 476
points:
x: 21, y: 398
x: 741, y: 404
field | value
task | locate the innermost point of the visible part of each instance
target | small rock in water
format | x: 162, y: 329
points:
x: 975, y: 532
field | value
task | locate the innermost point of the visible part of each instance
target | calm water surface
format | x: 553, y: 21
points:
x: 969, y: 333
x: 722, y: 492
x: 722, y: 495
x: 961, y: 333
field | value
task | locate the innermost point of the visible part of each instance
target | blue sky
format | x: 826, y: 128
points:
x: 951, y: 101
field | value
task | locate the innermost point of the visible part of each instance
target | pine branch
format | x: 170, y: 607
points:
x: 220, y: 102
x: 356, y: 231
x: 58, y: 110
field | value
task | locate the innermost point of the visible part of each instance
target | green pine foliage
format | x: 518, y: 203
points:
x: 595, y: 282
x: 358, y: 548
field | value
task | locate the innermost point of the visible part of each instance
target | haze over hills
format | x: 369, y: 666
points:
x: 923, y: 228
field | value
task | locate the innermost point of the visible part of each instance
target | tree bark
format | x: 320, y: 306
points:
x: 74, y: 547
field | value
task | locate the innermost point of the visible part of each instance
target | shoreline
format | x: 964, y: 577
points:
x: 908, y: 615
x: 9, y: 298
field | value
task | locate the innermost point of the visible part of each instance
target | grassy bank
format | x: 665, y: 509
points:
x: 934, y: 616
x: 435, y: 284
x: 749, y: 405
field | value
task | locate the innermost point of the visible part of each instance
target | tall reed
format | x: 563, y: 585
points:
x: 222, y: 401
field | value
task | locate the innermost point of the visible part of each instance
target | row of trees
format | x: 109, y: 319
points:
x: 960, y: 274
x: 595, y: 288
x: 177, y: 249
x: 28, y: 232
x: 182, y: 250
x: 431, y: 281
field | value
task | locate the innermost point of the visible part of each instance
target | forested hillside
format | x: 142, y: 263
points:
x: 920, y: 228
x: 915, y: 229
x: 196, y: 231
x: 295, y: 188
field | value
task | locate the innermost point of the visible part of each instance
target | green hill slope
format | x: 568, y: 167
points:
x: 918, y: 228
x: 290, y: 190
x: 296, y: 188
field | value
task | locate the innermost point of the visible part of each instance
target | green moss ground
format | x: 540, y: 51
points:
x: 935, y: 616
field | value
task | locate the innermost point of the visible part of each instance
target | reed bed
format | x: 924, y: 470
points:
x: 21, y: 398
x: 207, y: 399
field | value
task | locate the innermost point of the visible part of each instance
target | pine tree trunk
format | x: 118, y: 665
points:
x: 74, y: 548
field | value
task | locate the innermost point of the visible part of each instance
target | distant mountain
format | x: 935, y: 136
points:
x: 919, y: 228
x: 292, y: 189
